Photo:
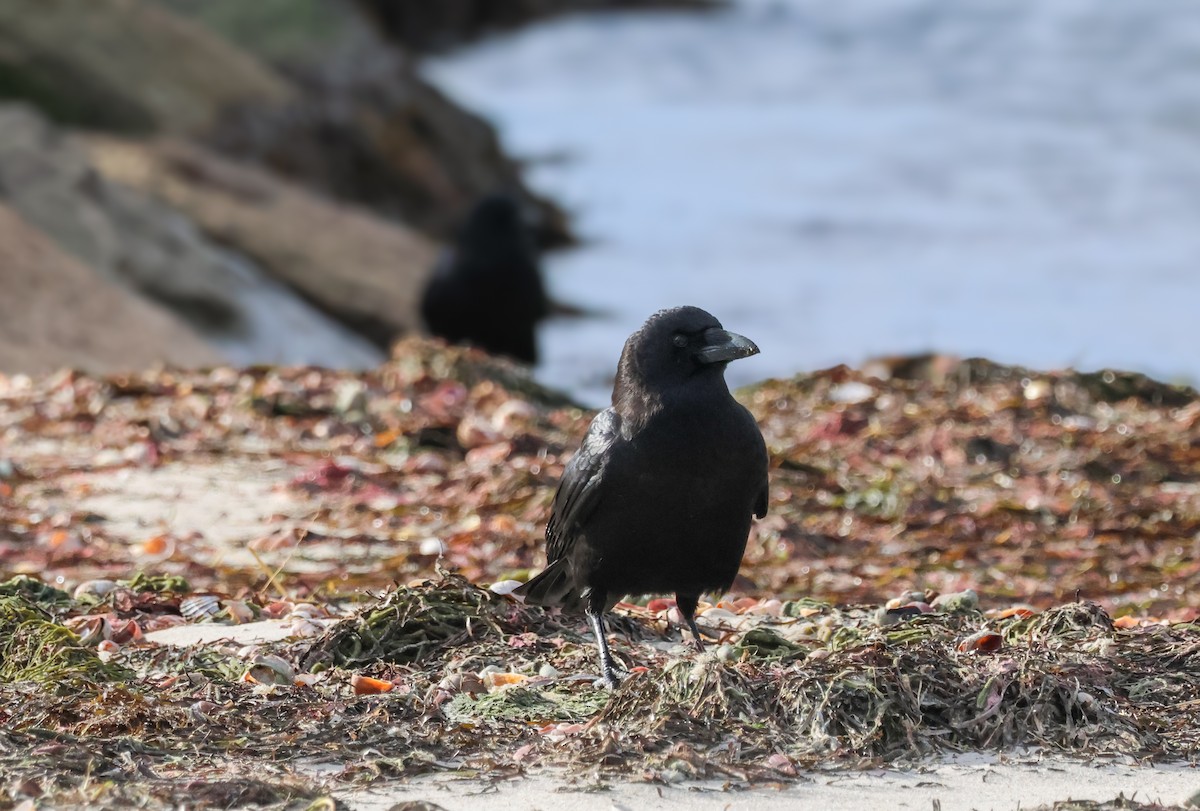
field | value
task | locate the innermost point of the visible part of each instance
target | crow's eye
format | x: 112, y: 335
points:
x: 681, y: 341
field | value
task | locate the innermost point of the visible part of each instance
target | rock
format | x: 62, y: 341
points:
x: 134, y: 240
x: 958, y: 601
x: 360, y: 269
x: 367, y: 128
x: 282, y: 32
x: 126, y: 65
x: 422, y: 25
x: 126, y: 237
x: 57, y: 312
x: 353, y: 119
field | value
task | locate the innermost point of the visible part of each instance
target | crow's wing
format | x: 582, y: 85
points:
x: 579, y: 489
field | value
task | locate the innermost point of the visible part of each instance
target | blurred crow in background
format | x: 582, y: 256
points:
x: 660, y: 496
x: 487, y: 291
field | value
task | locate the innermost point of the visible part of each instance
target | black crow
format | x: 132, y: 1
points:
x: 487, y: 290
x: 660, y: 496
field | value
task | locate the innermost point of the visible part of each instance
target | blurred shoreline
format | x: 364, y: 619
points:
x: 1017, y: 181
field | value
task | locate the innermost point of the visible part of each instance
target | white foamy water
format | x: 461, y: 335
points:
x: 1018, y: 179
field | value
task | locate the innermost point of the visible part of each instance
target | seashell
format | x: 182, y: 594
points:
x: 982, y: 642
x: 431, y: 546
x: 201, y: 710
x: 495, y: 681
x: 1021, y: 611
x: 122, y: 632
x: 367, y: 686
x: 200, y: 606
x: 511, y: 414
x: 462, y: 683
x: 95, y: 589
x: 505, y: 586
x: 721, y: 615
x: 90, y: 630
x: 270, y: 669
x: 158, y: 548
x: 474, y: 432
x: 239, y: 611
x: 306, y: 610
x: 305, y: 627
x: 850, y: 392
x: 766, y: 608
x: 782, y: 764
x: 278, y: 609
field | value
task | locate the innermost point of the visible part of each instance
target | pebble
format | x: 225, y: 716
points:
x: 957, y: 601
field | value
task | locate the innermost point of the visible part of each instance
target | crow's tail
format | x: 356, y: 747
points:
x: 554, y: 586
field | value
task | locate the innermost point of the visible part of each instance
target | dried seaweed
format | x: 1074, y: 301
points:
x: 35, y: 648
x: 410, y: 624
x: 1036, y: 531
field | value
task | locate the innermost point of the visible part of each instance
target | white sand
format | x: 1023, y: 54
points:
x: 982, y: 782
x: 250, y: 633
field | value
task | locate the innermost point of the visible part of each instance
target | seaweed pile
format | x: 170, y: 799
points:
x: 972, y: 557
x: 490, y: 686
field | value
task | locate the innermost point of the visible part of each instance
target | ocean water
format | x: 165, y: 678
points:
x: 1018, y: 179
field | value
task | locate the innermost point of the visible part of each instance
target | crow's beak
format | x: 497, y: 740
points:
x: 721, y: 346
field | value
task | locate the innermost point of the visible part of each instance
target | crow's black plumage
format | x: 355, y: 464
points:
x: 488, y: 290
x: 660, y: 496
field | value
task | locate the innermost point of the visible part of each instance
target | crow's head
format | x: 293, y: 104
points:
x: 676, y: 348
x: 496, y: 232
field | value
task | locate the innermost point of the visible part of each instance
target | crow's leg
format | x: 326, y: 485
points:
x: 686, y: 603
x: 608, y: 668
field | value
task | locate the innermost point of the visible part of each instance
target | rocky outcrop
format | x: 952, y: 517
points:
x: 365, y: 271
x: 424, y: 26
x: 342, y: 111
x: 195, y: 217
x: 131, y: 239
x: 125, y: 236
x: 126, y: 65
x: 367, y: 128
x: 57, y: 312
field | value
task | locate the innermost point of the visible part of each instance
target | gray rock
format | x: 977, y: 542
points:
x: 137, y: 242
x: 57, y: 312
